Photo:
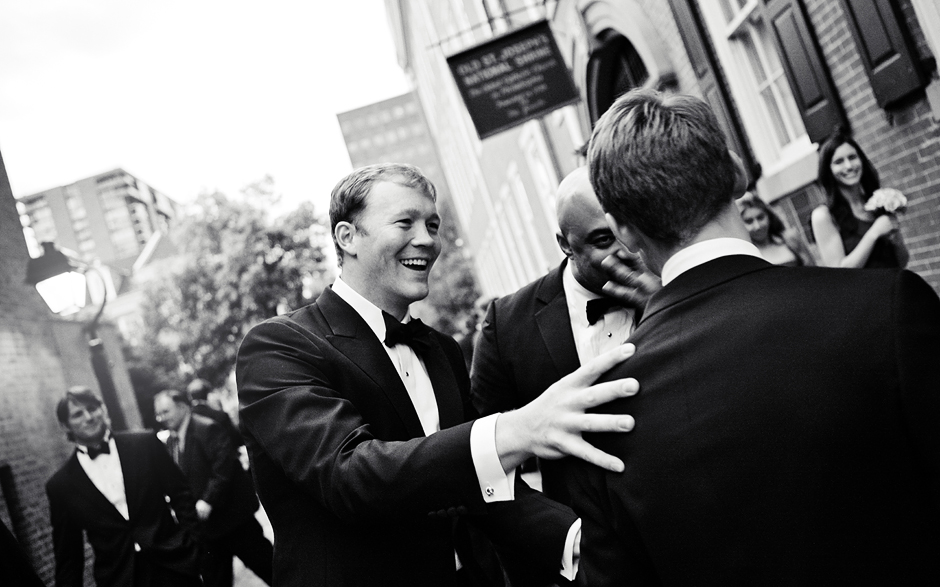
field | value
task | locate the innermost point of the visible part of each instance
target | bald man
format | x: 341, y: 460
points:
x: 542, y: 332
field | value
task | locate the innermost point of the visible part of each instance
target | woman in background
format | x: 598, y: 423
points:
x: 777, y: 244
x: 849, y: 233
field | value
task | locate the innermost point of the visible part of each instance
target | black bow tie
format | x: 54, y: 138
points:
x: 99, y: 449
x: 598, y: 307
x: 415, y: 333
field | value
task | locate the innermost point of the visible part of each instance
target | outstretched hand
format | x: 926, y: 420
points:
x: 630, y: 281
x: 551, y: 425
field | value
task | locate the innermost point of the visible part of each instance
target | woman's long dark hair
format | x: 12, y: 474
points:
x: 838, y: 206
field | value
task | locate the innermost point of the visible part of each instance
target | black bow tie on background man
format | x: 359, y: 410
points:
x: 596, y: 308
x: 103, y: 448
x: 415, y: 333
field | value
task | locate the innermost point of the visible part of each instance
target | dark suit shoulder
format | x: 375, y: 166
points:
x: 61, y: 476
x: 546, y: 287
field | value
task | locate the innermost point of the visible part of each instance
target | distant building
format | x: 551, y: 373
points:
x: 115, y: 222
x: 109, y: 217
x: 396, y: 131
x: 392, y: 130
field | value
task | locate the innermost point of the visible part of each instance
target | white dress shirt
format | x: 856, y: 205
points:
x: 593, y: 340
x: 703, y: 252
x: 106, y: 474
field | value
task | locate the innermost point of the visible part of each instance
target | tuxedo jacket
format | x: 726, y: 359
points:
x: 356, y: 493
x: 150, y: 476
x: 525, y: 346
x: 210, y: 463
x: 786, y: 434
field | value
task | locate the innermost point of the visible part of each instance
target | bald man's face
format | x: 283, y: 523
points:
x: 586, y: 238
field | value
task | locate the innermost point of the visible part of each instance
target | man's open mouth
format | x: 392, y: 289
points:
x: 415, y: 264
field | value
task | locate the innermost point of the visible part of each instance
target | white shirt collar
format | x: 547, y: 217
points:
x: 703, y: 252
x: 371, y: 313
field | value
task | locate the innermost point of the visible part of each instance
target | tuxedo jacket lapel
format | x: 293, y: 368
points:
x: 95, y: 500
x: 702, y: 278
x: 132, y: 490
x: 353, y: 337
x: 444, y: 383
x: 554, y: 323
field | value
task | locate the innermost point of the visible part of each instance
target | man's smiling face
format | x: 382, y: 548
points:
x: 396, y: 243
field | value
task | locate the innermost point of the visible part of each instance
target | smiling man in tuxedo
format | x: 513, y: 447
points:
x: 115, y: 487
x: 361, y: 432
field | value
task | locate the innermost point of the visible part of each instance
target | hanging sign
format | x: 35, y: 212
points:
x: 513, y: 78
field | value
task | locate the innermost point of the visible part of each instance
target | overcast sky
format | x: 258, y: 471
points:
x: 189, y: 95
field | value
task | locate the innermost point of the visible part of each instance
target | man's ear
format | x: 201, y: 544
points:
x: 740, y: 176
x: 628, y: 235
x: 344, y: 233
x: 563, y: 244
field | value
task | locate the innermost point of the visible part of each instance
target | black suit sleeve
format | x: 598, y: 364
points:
x: 174, y: 485
x: 220, y: 455
x: 300, y: 419
x: 67, y: 542
x: 492, y: 382
x: 917, y: 335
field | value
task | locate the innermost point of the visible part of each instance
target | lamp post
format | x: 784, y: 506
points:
x: 61, y: 282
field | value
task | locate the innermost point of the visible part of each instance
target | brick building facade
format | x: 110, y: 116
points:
x: 40, y: 357
x: 780, y: 75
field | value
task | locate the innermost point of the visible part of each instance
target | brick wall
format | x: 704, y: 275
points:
x: 40, y: 356
x: 903, y: 142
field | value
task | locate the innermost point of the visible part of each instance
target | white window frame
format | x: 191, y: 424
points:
x: 785, y: 168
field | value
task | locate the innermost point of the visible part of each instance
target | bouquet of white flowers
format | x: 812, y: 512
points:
x: 886, y: 201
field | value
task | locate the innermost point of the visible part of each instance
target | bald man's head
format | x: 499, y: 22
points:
x: 584, y: 235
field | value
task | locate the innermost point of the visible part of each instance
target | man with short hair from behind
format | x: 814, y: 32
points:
x: 118, y: 489
x: 788, y: 417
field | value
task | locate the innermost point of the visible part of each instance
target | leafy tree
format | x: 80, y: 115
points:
x: 236, y: 269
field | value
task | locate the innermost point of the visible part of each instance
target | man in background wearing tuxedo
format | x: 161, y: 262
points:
x: 225, y: 498
x: 114, y: 488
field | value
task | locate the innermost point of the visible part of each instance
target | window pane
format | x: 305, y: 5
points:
x: 753, y: 59
x: 773, y: 114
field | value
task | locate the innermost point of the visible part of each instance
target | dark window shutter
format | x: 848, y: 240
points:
x: 884, y: 49
x: 806, y: 71
x: 713, y: 90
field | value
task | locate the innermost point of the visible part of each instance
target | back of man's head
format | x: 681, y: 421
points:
x: 660, y: 163
x: 176, y: 396
x: 198, y: 389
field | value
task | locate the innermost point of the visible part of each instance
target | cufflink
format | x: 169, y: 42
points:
x: 489, y: 491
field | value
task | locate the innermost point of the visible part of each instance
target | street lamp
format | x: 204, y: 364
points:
x: 61, y: 282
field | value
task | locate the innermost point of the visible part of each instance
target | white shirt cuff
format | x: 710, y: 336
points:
x: 569, y: 562
x: 495, y: 484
